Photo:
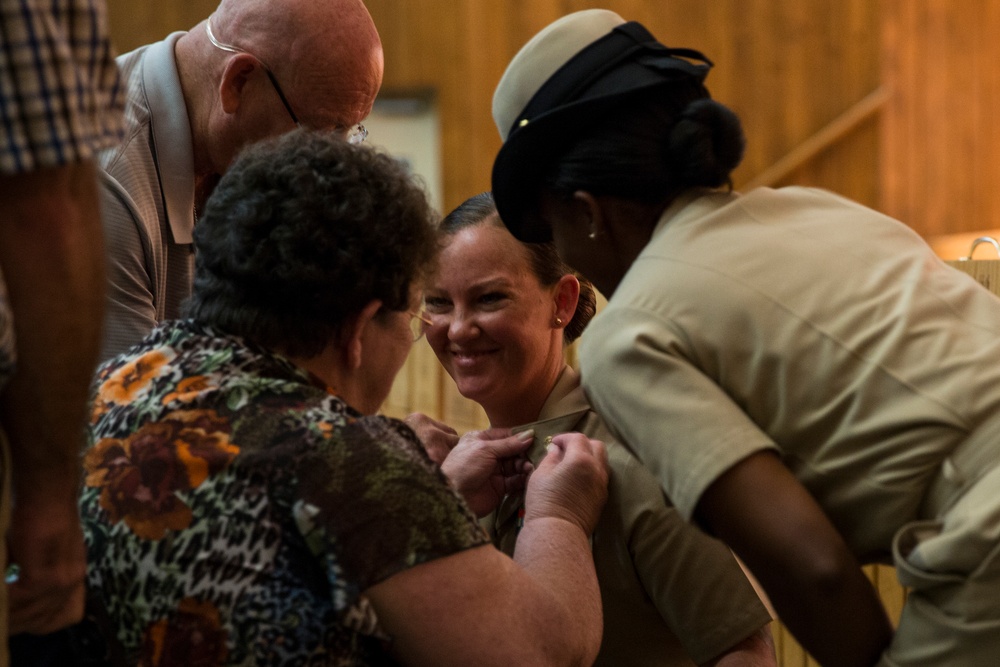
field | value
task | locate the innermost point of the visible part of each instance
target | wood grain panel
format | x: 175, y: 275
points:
x: 786, y: 67
x: 940, y: 142
x: 137, y: 22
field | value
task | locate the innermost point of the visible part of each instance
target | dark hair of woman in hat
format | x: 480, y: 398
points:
x: 639, y: 155
x: 653, y: 146
x: 804, y: 376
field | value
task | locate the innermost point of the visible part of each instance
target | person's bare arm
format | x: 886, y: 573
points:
x: 479, y: 607
x: 815, y: 583
x: 51, y: 253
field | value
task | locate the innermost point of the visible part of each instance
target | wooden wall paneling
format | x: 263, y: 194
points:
x: 981, y: 158
x: 935, y: 95
x: 462, y: 414
x: 397, y: 404
x: 487, y: 37
x: 939, y: 141
x: 828, y: 65
x: 455, y: 77
x: 901, y: 129
x: 788, y: 651
x: 893, y: 594
x: 848, y: 168
x: 525, y: 18
x: 417, y: 386
x: 966, y: 166
x: 988, y: 131
x: 946, y: 139
x: 848, y: 74
x: 763, y: 92
x: 425, y: 377
x: 136, y: 22
x: 800, y: 97
x: 406, y: 29
x: 786, y: 67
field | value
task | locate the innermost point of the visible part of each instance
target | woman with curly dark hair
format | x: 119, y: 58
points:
x: 243, y: 504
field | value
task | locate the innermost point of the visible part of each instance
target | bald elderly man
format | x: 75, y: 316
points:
x: 253, y: 69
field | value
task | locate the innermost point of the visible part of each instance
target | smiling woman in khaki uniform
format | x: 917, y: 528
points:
x: 830, y: 388
x: 500, y: 313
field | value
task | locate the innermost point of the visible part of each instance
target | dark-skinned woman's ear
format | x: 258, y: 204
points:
x: 589, y: 207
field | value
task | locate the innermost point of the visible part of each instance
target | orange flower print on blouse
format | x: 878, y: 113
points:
x: 140, y: 476
x: 193, y: 636
x: 187, y: 389
x: 125, y: 384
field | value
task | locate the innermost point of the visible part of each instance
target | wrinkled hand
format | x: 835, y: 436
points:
x: 487, y: 465
x: 570, y: 483
x: 46, y: 541
x: 437, y: 438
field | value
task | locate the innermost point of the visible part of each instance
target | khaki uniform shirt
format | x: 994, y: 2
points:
x: 671, y: 594
x: 798, y: 321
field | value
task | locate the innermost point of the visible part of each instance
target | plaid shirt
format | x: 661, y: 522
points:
x: 60, y: 98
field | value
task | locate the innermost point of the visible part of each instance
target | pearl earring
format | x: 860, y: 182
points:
x: 592, y: 235
x: 558, y: 321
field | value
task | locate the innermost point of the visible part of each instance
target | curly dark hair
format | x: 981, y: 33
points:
x: 301, y: 233
x: 545, y: 262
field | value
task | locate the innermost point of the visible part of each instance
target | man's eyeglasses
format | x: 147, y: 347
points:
x: 353, y: 135
x: 418, y: 325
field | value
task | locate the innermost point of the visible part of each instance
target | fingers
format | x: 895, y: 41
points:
x: 418, y: 420
x: 592, y: 447
x: 574, y: 444
x: 570, y: 482
x: 500, y: 447
x: 515, y: 477
x: 490, y: 434
x: 515, y: 466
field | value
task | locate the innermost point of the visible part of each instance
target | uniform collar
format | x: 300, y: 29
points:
x: 565, y: 406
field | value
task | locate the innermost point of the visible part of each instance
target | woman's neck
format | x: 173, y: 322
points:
x: 518, y: 410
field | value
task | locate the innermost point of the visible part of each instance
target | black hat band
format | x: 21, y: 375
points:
x: 571, y: 81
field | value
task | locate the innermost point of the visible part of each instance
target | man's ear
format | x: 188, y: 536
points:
x: 235, y: 76
x: 566, y: 295
x: 590, y: 208
x: 354, y: 332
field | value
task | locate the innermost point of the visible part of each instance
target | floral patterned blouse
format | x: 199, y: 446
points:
x: 235, y: 509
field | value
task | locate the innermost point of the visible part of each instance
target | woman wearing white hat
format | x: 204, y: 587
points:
x: 829, y: 386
